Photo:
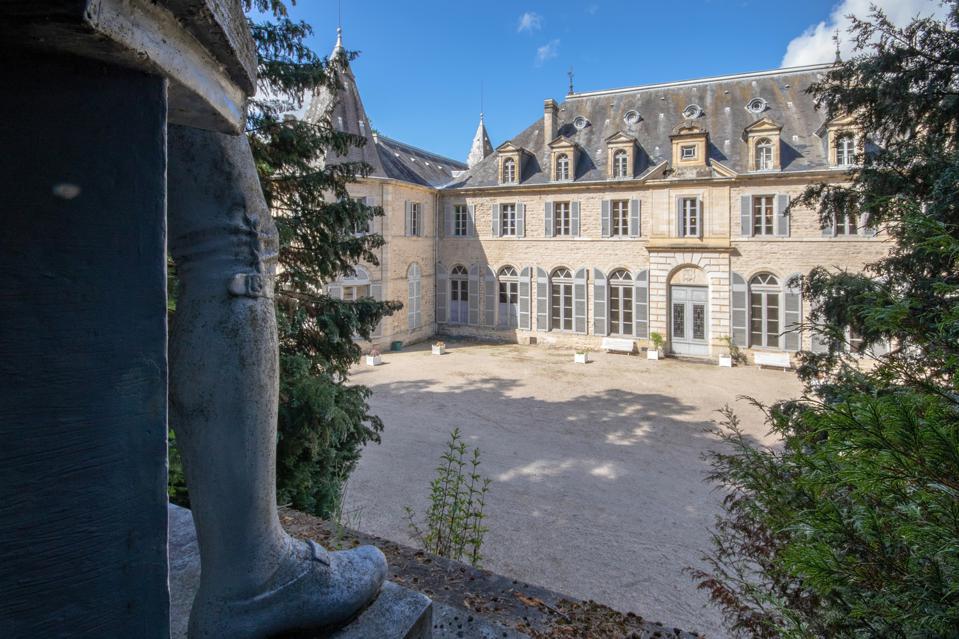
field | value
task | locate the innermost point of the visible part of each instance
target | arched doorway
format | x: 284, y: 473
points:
x: 689, y: 312
x: 459, y: 295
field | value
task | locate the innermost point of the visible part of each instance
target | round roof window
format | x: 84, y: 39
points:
x: 692, y: 111
x: 631, y: 117
x: 580, y: 123
x: 756, y: 105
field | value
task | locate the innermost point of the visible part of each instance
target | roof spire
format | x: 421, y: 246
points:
x: 482, y: 147
x: 835, y: 39
x: 570, y: 74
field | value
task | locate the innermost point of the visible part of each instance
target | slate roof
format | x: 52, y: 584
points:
x: 723, y: 101
x: 388, y: 158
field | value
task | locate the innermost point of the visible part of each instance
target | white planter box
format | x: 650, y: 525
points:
x: 652, y: 353
x: 374, y: 360
x: 580, y: 358
x: 439, y: 350
x: 726, y: 361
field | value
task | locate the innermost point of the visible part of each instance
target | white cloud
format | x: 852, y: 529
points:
x: 816, y: 44
x: 547, y: 52
x: 530, y: 22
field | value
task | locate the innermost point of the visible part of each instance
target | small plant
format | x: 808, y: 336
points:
x: 658, y: 341
x: 342, y: 520
x: 453, y: 525
x: 736, y: 353
x: 440, y: 344
x: 583, y: 351
x: 374, y: 352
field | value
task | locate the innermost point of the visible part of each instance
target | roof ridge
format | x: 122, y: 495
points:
x: 718, y: 78
x: 419, y: 150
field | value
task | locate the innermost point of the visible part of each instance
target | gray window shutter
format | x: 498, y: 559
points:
x: 336, y: 292
x: 701, y: 215
x: 635, y: 211
x: 472, y: 291
x: 520, y: 220
x: 792, y: 316
x: 880, y: 348
x: 830, y: 229
x: 574, y: 222
x: 442, y: 293
x: 542, y: 300
x: 548, y: 218
x: 641, y: 305
x: 606, y: 222
x: 818, y: 343
x: 599, y: 303
x: 376, y: 292
x: 746, y: 216
x: 579, y: 301
x: 411, y: 299
x: 524, y: 311
x: 740, y: 295
x: 679, y: 217
x: 450, y: 224
x: 471, y: 221
x: 489, y: 297
x: 868, y: 229
x: 782, y: 219
x: 408, y: 226
x: 496, y: 221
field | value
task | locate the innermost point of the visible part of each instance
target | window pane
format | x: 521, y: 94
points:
x: 699, y: 321
x: 679, y: 321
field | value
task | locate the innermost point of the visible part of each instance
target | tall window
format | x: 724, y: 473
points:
x: 562, y: 219
x: 413, y: 314
x: 508, y: 284
x: 562, y: 166
x: 619, y: 218
x: 845, y: 149
x: 620, y: 303
x: 689, y: 217
x: 763, y: 215
x: 459, y: 295
x: 620, y: 163
x: 561, y: 300
x: 509, y: 170
x: 764, y: 298
x: 461, y: 216
x: 415, y: 221
x: 764, y: 154
x: 847, y: 224
x: 507, y: 213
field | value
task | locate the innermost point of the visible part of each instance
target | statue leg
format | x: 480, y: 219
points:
x: 255, y: 580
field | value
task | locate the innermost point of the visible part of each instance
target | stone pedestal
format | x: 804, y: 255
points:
x: 397, y: 613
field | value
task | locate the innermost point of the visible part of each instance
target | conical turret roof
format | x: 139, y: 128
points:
x: 481, y: 148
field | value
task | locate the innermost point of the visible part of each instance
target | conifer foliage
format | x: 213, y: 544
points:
x: 851, y: 527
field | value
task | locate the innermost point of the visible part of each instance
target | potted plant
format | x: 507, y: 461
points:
x: 581, y: 357
x: 439, y: 348
x: 373, y: 358
x: 656, y: 352
x: 733, y: 354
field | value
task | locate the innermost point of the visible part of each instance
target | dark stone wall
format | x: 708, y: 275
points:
x: 83, y: 369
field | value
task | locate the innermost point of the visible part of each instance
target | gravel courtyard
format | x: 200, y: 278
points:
x: 598, y: 486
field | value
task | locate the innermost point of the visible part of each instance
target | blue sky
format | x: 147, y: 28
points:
x: 422, y: 62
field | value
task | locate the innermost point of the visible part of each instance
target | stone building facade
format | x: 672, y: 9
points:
x: 656, y: 209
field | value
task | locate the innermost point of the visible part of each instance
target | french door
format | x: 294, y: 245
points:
x: 688, y: 320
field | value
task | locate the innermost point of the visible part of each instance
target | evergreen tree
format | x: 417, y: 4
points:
x: 323, y: 421
x: 851, y: 528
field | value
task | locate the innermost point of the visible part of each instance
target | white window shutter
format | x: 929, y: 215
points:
x: 600, y: 325
x: 542, y: 300
x: 781, y: 218
x: 605, y: 219
x: 579, y: 301
x: 450, y: 221
x: 641, y: 305
x: 472, y: 292
x: 739, y: 319
x: 700, y: 217
x: 335, y: 291
x: 745, y: 216
x: 792, y: 316
x: 574, y: 222
x: 489, y: 297
x: 548, y: 218
x: 635, y: 218
x: 471, y: 221
x: 497, y: 229
x: 520, y: 219
x: 680, y: 231
x: 524, y: 298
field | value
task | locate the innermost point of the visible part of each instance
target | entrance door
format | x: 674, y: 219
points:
x: 688, y: 317
x: 509, y: 304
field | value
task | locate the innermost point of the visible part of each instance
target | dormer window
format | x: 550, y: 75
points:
x: 764, y: 155
x: 509, y: 171
x: 845, y: 149
x: 562, y: 166
x: 687, y: 152
x: 620, y: 164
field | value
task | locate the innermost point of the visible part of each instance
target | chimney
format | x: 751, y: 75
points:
x: 550, y: 119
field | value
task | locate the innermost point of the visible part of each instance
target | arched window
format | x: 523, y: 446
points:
x: 355, y: 286
x: 620, y: 303
x: 845, y: 149
x: 459, y: 295
x: 764, y: 307
x: 764, y: 154
x: 562, y: 167
x: 508, y: 285
x: 620, y: 163
x: 561, y: 300
x: 413, y: 314
x: 509, y: 170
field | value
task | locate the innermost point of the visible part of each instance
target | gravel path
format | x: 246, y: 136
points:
x: 597, y: 473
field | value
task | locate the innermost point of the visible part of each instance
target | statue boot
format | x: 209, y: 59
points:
x: 256, y: 581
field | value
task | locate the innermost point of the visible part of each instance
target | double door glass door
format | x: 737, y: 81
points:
x: 688, y: 319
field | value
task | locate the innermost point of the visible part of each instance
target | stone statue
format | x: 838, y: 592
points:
x: 256, y: 580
